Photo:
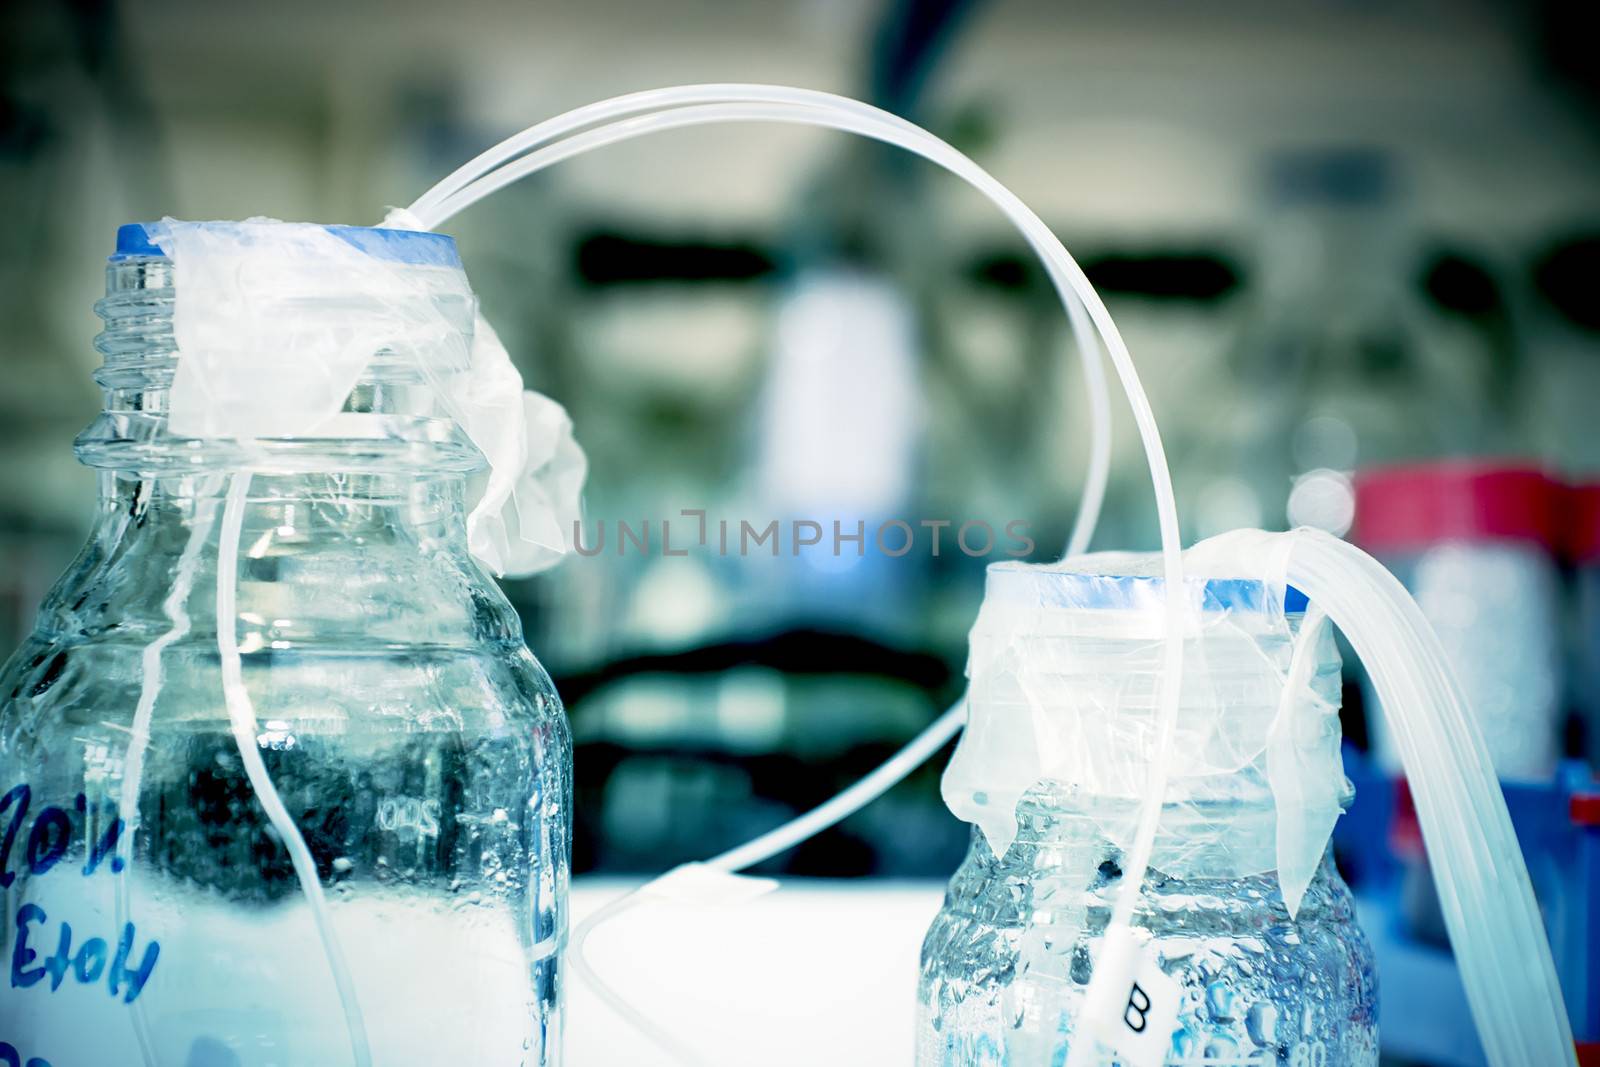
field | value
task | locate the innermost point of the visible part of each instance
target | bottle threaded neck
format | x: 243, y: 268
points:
x: 392, y: 420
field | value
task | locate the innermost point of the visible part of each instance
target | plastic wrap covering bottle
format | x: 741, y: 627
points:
x: 1243, y: 908
x: 152, y: 915
x: 1475, y: 543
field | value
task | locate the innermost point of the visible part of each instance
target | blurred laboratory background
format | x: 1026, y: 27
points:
x: 1353, y: 245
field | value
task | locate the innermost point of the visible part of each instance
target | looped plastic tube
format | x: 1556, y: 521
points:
x: 242, y: 718
x: 1495, y: 929
x: 643, y: 113
x: 1494, y: 923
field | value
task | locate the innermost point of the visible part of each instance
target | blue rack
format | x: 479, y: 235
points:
x: 1423, y: 1010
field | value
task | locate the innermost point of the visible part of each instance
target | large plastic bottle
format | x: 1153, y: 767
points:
x: 152, y: 911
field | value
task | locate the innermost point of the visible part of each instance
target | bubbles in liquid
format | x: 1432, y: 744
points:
x: 1257, y: 987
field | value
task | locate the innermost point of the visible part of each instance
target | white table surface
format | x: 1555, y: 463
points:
x: 820, y: 972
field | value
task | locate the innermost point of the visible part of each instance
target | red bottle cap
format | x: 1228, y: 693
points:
x: 1582, y: 523
x: 1412, y: 507
x: 1584, y: 808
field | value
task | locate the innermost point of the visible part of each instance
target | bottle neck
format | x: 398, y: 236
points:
x: 393, y: 420
x: 1061, y: 829
x: 336, y: 560
x: 285, y: 512
x: 1066, y: 864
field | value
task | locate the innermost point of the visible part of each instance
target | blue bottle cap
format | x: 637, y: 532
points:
x: 1121, y: 591
x: 137, y: 240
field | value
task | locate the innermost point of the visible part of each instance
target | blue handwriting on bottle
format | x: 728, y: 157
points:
x: 124, y: 971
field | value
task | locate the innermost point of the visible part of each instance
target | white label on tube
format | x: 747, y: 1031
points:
x: 1132, y: 1005
x: 1149, y: 1015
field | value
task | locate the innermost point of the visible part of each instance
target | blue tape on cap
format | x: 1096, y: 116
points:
x: 136, y: 240
x: 1134, y: 592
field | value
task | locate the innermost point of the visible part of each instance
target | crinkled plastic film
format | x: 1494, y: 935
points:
x: 1064, y: 677
x: 277, y: 322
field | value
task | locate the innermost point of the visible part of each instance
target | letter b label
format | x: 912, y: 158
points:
x: 1137, y: 1014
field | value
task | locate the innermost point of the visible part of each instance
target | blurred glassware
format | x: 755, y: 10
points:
x: 1334, y: 368
x: 1582, y: 526
x: 682, y: 752
x: 838, y: 439
x: 1476, y: 543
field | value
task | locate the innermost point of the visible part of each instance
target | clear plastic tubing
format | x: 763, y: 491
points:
x: 665, y: 109
x: 699, y: 105
x: 1496, y: 931
x: 242, y: 717
x: 1488, y: 901
x: 465, y: 187
x: 139, y: 743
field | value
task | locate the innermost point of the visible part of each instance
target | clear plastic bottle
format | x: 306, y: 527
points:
x: 1007, y: 960
x: 1065, y: 663
x: 152, y: 915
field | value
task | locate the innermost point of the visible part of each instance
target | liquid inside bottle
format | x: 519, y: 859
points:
x: 1007, y: 962
x: 152, y: 911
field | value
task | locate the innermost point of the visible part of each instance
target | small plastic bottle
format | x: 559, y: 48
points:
x: 152, y: 915
x: 1070, y: 671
